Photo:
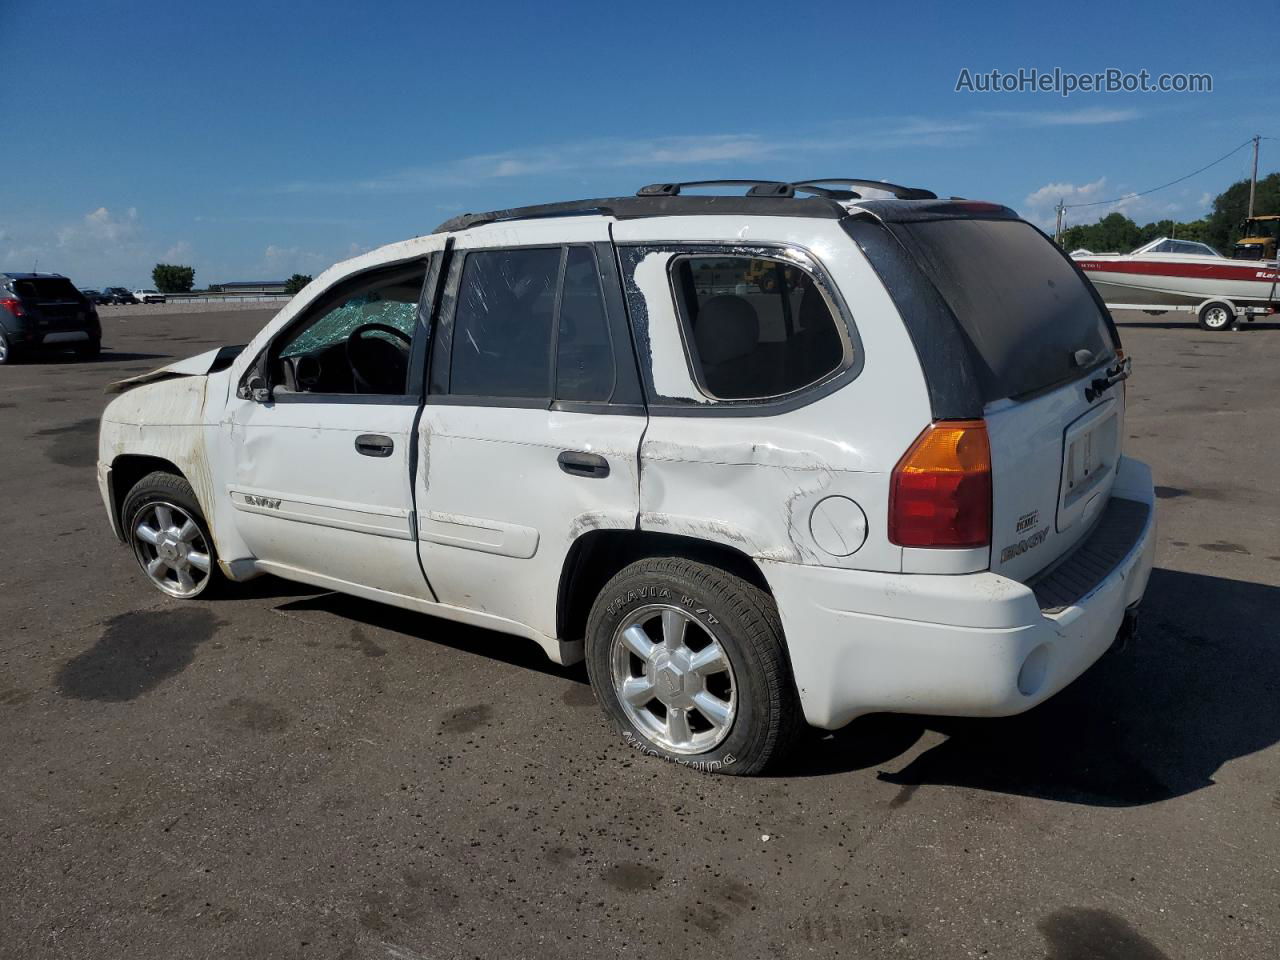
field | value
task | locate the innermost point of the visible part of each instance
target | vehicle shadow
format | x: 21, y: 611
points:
x: 1198, y: 688
x: 501, y: 647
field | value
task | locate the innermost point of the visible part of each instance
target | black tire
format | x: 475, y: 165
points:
x: 87, y: 351
x: 742, y: 619
x: 8, y: 352
x: 1217, y: 317
x: 161, y: 488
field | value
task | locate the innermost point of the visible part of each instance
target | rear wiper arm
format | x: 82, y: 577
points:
x: 1101, y: 385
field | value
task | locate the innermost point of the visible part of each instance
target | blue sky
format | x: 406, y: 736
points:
x: 253, y: 140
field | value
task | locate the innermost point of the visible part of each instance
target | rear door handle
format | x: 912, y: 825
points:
x: 374, y: 445
x: 579, y: 464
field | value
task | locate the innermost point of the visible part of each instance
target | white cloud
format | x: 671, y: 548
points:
x: 1087, y: 116
x: 100, y: 227
x: 1039, y: 205
x: 180, y: 252
x: 559, y: 158
x: 279, y: 263
x: 662, y: 154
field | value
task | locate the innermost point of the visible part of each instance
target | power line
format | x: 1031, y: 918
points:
x: 1130, y: 196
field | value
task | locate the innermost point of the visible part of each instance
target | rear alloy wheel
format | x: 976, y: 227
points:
x: 7, y: 353
x: 672, y: 678
x: 89, y: 349
x: 689, y: 662
x: 1217, y: 316
x: 169, y: 538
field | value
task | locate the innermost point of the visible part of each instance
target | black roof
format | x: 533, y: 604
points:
x: 31, y: 276
x: 768, y: 198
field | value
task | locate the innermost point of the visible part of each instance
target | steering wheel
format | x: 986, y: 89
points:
x: 378, y: 365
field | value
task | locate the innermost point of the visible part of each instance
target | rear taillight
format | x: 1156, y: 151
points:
x: 13, y: 306
x: 940, y: 491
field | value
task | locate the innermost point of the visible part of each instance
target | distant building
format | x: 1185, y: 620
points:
x: 249, y: 287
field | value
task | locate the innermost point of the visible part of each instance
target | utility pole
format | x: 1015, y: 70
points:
x: 1057, y: 232
x: 1253, y: 181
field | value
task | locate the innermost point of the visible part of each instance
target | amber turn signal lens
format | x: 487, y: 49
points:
x: 940, y: 491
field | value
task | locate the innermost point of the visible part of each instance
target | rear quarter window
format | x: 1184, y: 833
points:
x: 755, y: 327
x: 1020, y: 303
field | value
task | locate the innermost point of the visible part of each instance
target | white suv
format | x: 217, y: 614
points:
x: 794, y: 456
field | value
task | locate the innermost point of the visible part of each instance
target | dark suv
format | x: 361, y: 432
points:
x: 45, y: 310
x: 119, y: 295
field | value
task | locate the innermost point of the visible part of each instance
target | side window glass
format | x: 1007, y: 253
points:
x: 584, y: 352
x: 503, y: 324
x: 358, y: 342
x: 756, y: 327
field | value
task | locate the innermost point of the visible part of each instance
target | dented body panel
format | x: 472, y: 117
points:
x: 752, y: 482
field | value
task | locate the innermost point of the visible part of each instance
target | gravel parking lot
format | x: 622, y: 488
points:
x: 289, y: 773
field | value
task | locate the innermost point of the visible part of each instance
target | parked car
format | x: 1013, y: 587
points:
x: 45, y: 310
x: 894, y: 482
x: 96, y: 297
x: 120, y: 295
x: 148, y: 296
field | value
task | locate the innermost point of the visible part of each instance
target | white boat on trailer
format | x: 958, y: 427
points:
x: 1185, y: 276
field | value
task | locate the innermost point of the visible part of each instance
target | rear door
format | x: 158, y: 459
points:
x: 533, y: 419
x: 1038, y: 338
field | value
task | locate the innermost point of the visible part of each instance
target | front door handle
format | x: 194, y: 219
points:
x: 579, y: 464
x: 374, y: 445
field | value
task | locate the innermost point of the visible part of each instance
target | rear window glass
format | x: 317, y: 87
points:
x: 1021, y: 305
x: 46, y: 288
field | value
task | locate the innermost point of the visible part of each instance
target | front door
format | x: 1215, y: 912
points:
x: 321, y: 482
x: 533, y: 420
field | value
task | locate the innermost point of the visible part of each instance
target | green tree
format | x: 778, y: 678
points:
x: 1232, y: 204
x: 296, y: 283
x: 172, y: 278
x: 1116, y: 233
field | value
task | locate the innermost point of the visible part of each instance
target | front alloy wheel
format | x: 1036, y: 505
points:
x: 171, y: 549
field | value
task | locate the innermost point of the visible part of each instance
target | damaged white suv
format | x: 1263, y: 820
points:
x: 791, y: 457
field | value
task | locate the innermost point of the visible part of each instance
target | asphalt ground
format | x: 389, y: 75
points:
x: 288, y: 773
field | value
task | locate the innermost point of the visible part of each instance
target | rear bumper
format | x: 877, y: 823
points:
x: 965, y: 645
x: 35, y: 338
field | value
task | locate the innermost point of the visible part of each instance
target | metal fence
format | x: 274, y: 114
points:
x: 228, y: 297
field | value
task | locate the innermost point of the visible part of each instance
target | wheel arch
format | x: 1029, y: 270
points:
x: 597, y: 555
x: 126, y: 470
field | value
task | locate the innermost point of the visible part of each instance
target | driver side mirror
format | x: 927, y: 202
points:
x: 257, y: 389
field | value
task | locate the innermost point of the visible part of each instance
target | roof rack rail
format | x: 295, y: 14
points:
x: 899, y: 192
x: 788, y: 188
x: 758, y: 188
x: 539, y: 211
x: 765, y: 197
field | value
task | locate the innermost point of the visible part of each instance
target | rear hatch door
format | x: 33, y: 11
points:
x: 1038, y: 339
x: 53, y: 302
